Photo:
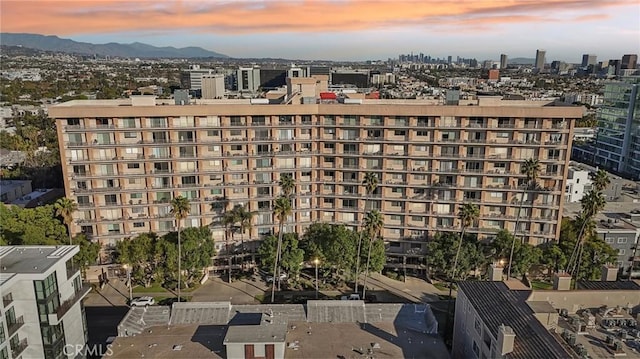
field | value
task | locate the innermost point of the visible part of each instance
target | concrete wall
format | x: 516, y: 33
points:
x: 575, y: 300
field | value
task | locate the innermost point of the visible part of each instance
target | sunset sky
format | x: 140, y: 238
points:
x: 344, y: 29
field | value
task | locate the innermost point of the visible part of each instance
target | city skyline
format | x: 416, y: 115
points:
x: 343, y: 30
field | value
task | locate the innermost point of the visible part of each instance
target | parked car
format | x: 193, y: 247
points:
x: 283, y: 276
x: 350, y: 297
x: 143, y: 302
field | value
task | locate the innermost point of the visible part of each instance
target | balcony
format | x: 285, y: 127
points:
x: 12, y: 328
x: 18, y: 349
x: 69, y: 303
x: 7, y: 300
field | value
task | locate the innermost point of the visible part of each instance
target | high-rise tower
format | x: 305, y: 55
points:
x: 539, y: 65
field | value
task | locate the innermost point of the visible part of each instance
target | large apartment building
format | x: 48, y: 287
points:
x: 123, y: 161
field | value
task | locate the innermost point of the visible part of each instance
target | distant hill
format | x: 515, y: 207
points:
x: 136, y: 49
x: 522, y: 61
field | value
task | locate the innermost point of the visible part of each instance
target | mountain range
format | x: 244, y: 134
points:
x: 134, y: 50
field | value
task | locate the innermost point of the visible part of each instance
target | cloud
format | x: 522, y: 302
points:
x: 75, y: 17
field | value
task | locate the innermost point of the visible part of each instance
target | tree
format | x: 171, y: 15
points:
x: 468, y: 214
x: 530, y: 168
x: 524, y: 255
x: 370, y: 184
x: 292, y: 256
x: 88, y: 253
x: 333, y: 244
x: 138, y: 253
x: 245, y: 218
x: 229, y: 220
x: 198, y: 249
x: 281, y: 209
x: 600, y: 179
x: 287, y: 184
x: 65, y: 207
x: 373, y: 224
x: 31, y: 226
x: 180, y: 208
x: 592, y: 203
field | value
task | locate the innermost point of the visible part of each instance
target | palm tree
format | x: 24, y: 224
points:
x: 370, y: 184
x: 281, y: 209
x: 530, y: 168
x: 245, y: 219
x: 373, y: 224
x: 180, y: 208
x: 287, y: 184
x: 229, y: 219
x: 600, y: 179
x: 64, y: 208
x: 592, y: 203
x: 468, y: 214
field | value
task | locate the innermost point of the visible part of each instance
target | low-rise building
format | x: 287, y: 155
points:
x: 494, y: 320
x: 11, y: 190
x: 42, y: 313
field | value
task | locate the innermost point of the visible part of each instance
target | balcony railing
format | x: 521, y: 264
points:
x: 69, y: 303
x: 7, y: 299
x: 15, y: 326
x: 18, y: 349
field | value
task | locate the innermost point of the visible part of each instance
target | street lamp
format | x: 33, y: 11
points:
x: 128, y: 269
x: 316, y: 261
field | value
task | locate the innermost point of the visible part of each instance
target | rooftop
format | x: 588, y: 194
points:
x: 32, y: 259
x: 313, y: 330
x: 610, y: 285
x: 10, y: 185
x: 262, y: 333
x: 152, y: 101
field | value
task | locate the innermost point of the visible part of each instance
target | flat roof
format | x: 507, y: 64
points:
x: 33, y: 259
x: 263, y: 333
x: 10, y: 185
x: 303, y: 340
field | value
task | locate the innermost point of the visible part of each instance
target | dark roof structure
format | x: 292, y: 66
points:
x: 498, y: 305
x: 614, y: 285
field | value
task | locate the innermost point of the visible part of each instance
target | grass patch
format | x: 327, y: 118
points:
x: 260, y: 298
x: 441, y: 286
x: 154, y: 288
x: 536, y: 284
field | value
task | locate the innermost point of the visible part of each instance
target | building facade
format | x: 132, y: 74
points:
x: 213, y: 86
x: 42, y: 313
x: 123, y: 164
x: 540, y: 59
x: 617, y: 144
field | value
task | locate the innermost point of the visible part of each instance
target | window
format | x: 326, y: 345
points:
x: 609, y: 240
x: 130, y: 135
x: 138, y: 224
x: 621, y: 252
x: 110, y: 199
x: 133, y: 165
x: 622, y: 240
x: 399, y: 133
x: 502, y: 134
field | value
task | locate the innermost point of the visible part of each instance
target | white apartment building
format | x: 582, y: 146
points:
x: 42, y: 311
x: 578, y: 183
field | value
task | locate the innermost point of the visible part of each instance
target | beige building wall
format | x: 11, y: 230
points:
x: 212, y: 86
x: 123, y: 164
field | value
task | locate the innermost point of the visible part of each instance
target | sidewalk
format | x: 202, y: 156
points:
x: 414, y: 290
